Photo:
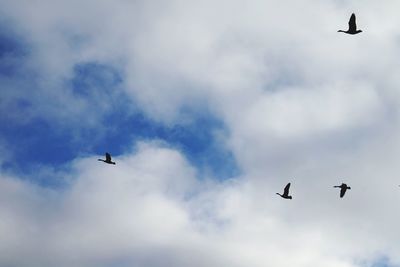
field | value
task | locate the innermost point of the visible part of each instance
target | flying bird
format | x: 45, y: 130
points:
x: 108, y: 159
x: 286, y: 192
x: 343, y: 187
x: 352, y: 26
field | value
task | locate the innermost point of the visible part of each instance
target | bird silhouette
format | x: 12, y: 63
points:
x: 286, y: 192
x: 343, y: 187
x: 352, y: 26
x: 108, y: 159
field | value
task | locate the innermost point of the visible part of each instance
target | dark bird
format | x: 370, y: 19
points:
x: 286, y: 192
x: 343, y: 187
x: 352, y: 26
x: 108, y: 159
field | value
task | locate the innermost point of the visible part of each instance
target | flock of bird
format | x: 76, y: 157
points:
x: 343, y: 187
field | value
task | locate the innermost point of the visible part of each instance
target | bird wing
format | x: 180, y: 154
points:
x: 342, y: 191
x: 352, y: 23
x: 286, y: 190
x: 108, y: 156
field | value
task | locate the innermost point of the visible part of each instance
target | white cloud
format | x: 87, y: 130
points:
x: 150, y: 210
x: 224, y: 54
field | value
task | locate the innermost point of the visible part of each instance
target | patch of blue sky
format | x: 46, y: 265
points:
x: 37, y: 144
x: 94, y: 76
x: 197, y: 140
x: 13, y: 50
x: 382, y: 261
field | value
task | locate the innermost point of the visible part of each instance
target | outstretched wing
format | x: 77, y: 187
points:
x: 108, y: 156
x: 286, y: 190
x: 343, y: 191
x: 352, y: 23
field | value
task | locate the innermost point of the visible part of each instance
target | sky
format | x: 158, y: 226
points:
x: 208, y: 108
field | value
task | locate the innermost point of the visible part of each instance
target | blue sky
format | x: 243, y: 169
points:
x: 40, y: 141
x: 209, y: 108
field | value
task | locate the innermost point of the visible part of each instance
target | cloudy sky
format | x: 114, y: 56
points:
x: 209, y: 108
